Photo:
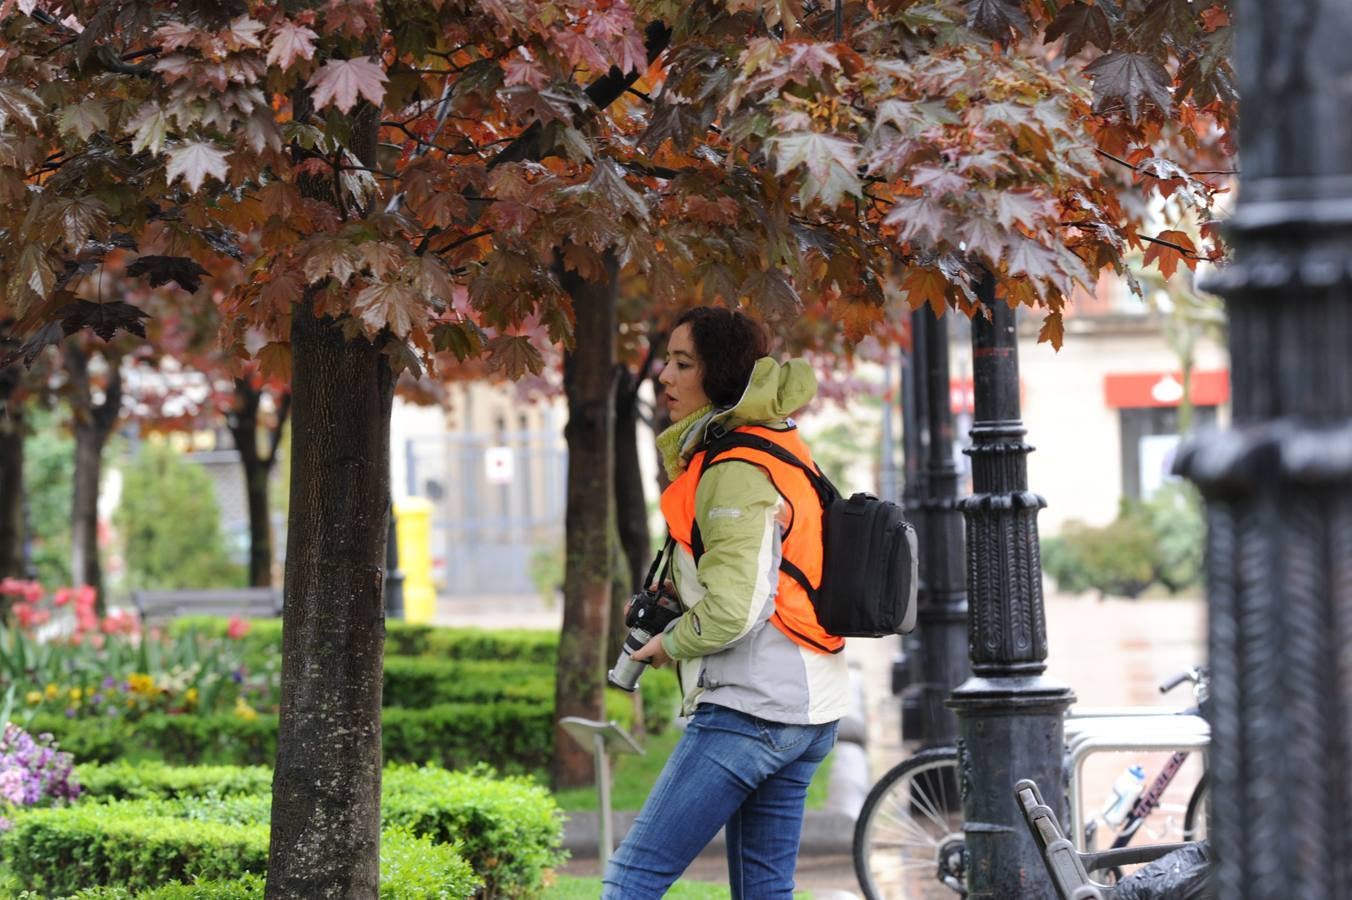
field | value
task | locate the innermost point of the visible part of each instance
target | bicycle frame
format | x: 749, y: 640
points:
x: 1149, y: 800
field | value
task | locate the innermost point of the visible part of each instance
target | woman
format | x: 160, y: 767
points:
x: 763, y: 683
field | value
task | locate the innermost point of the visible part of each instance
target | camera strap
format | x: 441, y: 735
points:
x: 664, y: 559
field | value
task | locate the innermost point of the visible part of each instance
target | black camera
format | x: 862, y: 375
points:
x: 650, y: 612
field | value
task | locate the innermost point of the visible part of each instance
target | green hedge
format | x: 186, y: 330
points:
x: 511, y: 736
x: 70, y: 850
x: 416, y: 682
x: 405, y: 639
x: 124, y: 780
x: 509, y: 830
x: 60, y: 851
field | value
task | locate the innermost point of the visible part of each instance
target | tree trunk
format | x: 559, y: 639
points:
x: 243, y: 424
x: 11, y: 495
x: 631, y: 505
x: 326, y: 788
x: 589, y: 380
x: 92, y: 425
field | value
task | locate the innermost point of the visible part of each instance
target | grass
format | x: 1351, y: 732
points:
x: 632, y: 777
x: 570, y: 888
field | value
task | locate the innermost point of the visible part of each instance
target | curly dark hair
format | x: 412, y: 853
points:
x: 728, y: 343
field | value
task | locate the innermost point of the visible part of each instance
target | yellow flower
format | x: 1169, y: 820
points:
x: 75, y: 694
x: 33, y: 698
x: 52, y: 692
x: 141, y: 684
x: 244, y: 710
x: 190, y: 695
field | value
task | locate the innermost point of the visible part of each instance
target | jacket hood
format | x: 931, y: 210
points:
x: 774, y: 392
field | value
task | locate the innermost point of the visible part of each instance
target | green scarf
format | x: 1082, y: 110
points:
x: 680, y: 437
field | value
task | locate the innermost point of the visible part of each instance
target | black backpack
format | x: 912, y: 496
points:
x: 869, y: 559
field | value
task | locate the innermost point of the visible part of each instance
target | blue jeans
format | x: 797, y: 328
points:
x: 730, y: 769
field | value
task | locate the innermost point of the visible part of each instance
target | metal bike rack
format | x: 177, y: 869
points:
x: 1124, y: 731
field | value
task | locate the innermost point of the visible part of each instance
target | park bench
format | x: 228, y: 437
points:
x: 1174, y: 871
x: 157, y: 607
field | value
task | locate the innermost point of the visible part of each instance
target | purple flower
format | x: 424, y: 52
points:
x: 34, y: 771
x: 109, y: 682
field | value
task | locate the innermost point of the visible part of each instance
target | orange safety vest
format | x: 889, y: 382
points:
x: 802, y: 540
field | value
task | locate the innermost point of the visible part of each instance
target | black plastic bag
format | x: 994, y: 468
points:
x: 1181, y: 875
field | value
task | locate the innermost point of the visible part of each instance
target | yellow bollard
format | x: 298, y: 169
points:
x: 413, y: 525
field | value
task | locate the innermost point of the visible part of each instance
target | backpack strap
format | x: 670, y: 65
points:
x: 826, y: 492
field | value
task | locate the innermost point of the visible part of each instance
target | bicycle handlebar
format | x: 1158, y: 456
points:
x: 1195, y: 674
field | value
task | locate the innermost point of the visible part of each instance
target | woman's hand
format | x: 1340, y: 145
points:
x: 652, y: 652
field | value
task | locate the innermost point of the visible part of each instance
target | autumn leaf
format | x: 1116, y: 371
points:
x: 997, y: 18
x: 1053, y: 330
x: 104, y: 319
x: 80, y: 218
x: 830, y: 162
x: 514, y: 355
x: 1081, y: 23
x: 772, y: 294
x: 339, y: 82
x: 1129, y: 78
x: 194, y: 161
x: 82, y: 120
x: 1215, y: 17
x: 181, y: 270
x: 274, y: 360
x: 1179, y: 248
x: 289, y: 43
x: 912, y: 215
x: 390, y: 303
x: 149, y: 127
x: 925, y: 285
x: 464, y: 339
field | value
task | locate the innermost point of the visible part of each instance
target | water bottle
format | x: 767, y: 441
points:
x: 1126, y: 789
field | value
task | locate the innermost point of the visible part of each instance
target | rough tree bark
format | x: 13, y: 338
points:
x: 589, y: 381
x: 325, y: 839
x: 92, y: 423
x: 11, y: 480
x: 242, y: 421
x: 326, y: 789
x: 631, y: 502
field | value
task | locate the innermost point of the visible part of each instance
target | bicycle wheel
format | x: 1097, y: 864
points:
x: 1194, y: 820
x: 908, y: 841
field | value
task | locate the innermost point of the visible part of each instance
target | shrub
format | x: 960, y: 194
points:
x: 124, y: 780
x: 59, y: 851
x: 171, y: 524
x: 415, y: 682
x: 1160, y: 540
x: 1175, y: 515
x: 155, y: 857
x: 509, y: 830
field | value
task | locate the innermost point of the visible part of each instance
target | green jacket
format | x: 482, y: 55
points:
x: 727, y: 651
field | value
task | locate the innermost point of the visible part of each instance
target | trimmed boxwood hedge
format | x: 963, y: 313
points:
x: 509, y: 829
x: 513, y: 737
x: 59, y: 852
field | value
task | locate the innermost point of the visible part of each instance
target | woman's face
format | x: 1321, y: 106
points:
x: 683, y: 375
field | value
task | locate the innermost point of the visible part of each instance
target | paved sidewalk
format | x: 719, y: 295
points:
x: 1112, y: 652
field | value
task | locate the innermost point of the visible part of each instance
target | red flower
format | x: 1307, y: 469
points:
x: 237, y: 628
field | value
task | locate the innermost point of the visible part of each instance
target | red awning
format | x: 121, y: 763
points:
x: 1210, y: 387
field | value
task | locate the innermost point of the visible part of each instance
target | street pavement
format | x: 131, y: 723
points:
x: 1111, y: 652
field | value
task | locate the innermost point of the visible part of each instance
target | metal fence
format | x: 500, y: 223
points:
x: 498, y: 501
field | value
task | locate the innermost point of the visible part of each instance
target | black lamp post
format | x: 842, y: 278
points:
x: 1278, y: 483
x: 1009, y: 712
x: 939, y: 662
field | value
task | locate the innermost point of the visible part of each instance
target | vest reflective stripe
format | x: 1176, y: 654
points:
x: 802, y: 544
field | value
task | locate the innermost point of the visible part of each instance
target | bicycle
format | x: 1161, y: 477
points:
x: 909, y: 842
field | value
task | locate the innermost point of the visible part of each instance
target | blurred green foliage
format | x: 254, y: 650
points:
x: 171, y: 525
x: 1158, y: 541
